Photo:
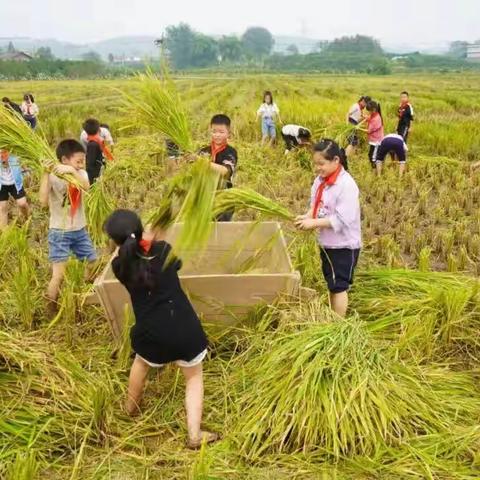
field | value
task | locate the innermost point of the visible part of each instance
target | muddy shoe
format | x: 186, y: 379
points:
x: 205, y: 437
x: 52, y: 307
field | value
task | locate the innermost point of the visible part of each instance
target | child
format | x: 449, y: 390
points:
x: 11, y: 185
x: 355, y: 117
x: 295, y: 136
x: 374, y: 130
x: 96, y: 149
x: 396, y: 146
x: 67, y: 228
x: 30, y: 110
x: 268, y: 111
x: 166, y: 328
x: 12, y: 106
x: 405, y: 116
x: 224, y: 157
x: 335, y: 214
x: 103, y: 131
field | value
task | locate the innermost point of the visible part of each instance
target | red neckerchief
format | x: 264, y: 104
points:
x: 105, y: 150
x: 146, y: 245
x: 75, y: 197
x: 216, y: 149
x: 330, y: 180
x: 403, y: 108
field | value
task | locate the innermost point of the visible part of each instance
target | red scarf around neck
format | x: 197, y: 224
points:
x: 105, y: 150
x: 75, y: 198
x: 330, y: 180
x: 146, y: 245
x: 216, y: 149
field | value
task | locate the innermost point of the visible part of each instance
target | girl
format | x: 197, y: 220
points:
x: 167, y: 328
x: 355, y: 117
x: 295, y: 136
x: 30, y: 110
x: 374, y: 130
x: 268, y: 111
x: 335, y: 214
x: 396, y: 146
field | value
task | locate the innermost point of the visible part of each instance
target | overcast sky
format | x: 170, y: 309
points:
x: 86, y: 21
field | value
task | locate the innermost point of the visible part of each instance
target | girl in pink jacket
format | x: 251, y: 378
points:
x: 374, y: 130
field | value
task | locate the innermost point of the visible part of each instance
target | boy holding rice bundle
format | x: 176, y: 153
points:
x: 224, y: 157
x: 11, y: 185
x: 335, y: 214
x: 67, y: 232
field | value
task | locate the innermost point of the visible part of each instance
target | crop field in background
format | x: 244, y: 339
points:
x: 390, y: 393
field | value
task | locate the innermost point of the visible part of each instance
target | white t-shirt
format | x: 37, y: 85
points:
x: 59, y: 205
x: 355, y: 113
x: 292, y: 130
x: 268, y: 110
x: 104, y: 134
x: 29, y: 109
x: 6, y: 175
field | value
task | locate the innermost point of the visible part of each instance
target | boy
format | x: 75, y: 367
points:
x: 11, y: 185
x: 224, y: 157
x: 355, y: 117
x: 405, y: 116
x: 67, y: 228
x: 295, y: 136
x: 96, y: 149
x: 102, y: 129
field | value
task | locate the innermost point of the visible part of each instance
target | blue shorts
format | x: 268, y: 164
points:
x: 61, y: 244
x: 268, y: 127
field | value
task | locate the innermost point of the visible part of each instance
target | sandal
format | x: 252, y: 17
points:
x: 205, y: 438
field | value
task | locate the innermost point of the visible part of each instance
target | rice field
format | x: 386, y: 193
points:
x: 392, y: 392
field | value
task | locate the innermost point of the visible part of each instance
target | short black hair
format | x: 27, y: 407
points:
x: 365, y: 98
x: 405, y: 93
x: 104, y: 125
x: 68, y: 148
x: 5, y: 100
x: 304, y: 133
x: 220, y: 119
x: 91, y: 126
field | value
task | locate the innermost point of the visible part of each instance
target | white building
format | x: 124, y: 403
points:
x: 473, y: 51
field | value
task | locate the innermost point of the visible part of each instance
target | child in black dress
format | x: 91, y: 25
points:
x: 167, y: 328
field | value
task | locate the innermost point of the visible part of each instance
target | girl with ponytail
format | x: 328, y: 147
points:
x: 166, y: 327
x: 374, y: 130
x: 335, y: 214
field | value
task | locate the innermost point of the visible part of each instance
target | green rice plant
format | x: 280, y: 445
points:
x: 246, y: 198
x: 331, y: 387
x: 29, y: 145
x: 158, y: 106
x: 424, y: 259
x: 98, y: 206
x: 124, y: 347
x: 24, y: 467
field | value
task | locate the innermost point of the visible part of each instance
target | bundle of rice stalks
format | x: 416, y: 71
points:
x: 332, y: 389
x: 98, y: 206
x: 158, y: 106
x: 30, y: 146
x: 246, y: 198
x: 428, y: 312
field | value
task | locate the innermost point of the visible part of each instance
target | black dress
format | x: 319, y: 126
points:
x: 167, y: 327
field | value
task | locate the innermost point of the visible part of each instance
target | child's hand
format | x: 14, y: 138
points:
x: 301, y: 217
x: 63, y: 169
x: 306, y: 224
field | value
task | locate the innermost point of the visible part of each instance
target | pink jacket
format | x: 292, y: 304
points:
x: 375, y: 129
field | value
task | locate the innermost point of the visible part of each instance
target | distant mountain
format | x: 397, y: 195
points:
x: 143, y: 46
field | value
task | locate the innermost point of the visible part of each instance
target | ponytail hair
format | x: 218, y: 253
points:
x: 125, y: 228
x: 375, y: 106
x: 330, y: 149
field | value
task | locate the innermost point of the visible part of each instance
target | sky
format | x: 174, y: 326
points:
x: 398, y: 21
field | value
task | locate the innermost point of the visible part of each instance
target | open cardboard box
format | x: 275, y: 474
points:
x: 244, y: 264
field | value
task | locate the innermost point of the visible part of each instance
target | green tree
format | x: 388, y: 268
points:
x: 179, y: 41
x: 205, y: 51
x: 44, y: 53
x: 292, y: 49
x: 11, y: 48
x: 91, y: 56
x: 357, y: 44
x: 111, y: 58
x: 257, y: 42
x: 230, y: 48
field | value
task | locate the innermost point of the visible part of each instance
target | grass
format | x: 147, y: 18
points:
x: 297, y: 393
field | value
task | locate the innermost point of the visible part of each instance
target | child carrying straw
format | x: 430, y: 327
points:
x: 335, y: 214
x: 167, y: 329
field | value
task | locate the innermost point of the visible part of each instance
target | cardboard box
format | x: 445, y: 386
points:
x: 244, y: 264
